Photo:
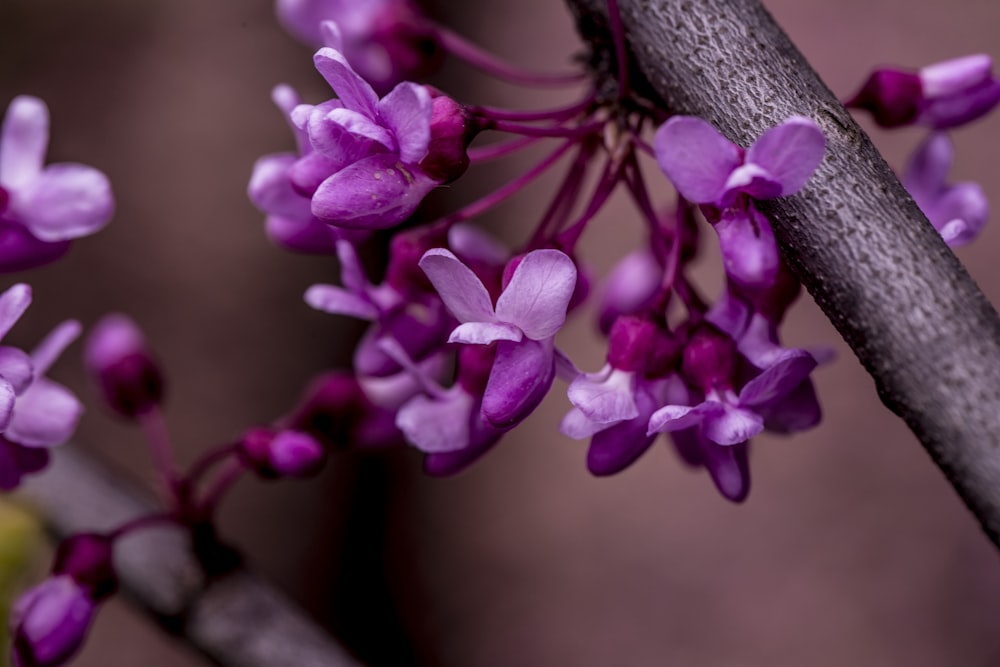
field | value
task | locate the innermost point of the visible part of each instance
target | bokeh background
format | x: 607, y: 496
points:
x: 852, y: 548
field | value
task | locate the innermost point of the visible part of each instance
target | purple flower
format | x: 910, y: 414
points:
x: 35, y: 413
x: 416, y: 320
x: 728, y: 418
x: 528, y: 313
x: 708, y: 169
x: 387, y: 41
x: 290, y: 222
x: 957, y: 211
x: 50, y: 622
x: 43, y: 208
x: 940, y: 96
x: 372, y: 161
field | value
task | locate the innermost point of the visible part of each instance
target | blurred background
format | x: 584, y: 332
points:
x: 852, y: 548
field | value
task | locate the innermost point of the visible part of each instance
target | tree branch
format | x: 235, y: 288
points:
x: 237, y: 620
x: 877, y: 268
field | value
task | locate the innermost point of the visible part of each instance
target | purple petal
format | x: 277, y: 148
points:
x: 15, y: 368
x: 270, y: 188
x: 615, y: 448
x: 696, y: 158
x: 374, y: 193
x: 66, y: 202
x: 307, y: 235
x: 308, y: 173
x: 749, y: 251
x: 287, y: 99
x: 538, y: 293
x: 23, y: 141
x: 484, y: 333
x: 677, y: 417
x: 521, y: 377
x: 462, y: 292
x: 445, y: 464
x: 47, y: 351
x: 733, y: 425
x: 578, y: 426
x: 789, y: 152
x: 629, y: 286
x: 352, y: 273
x: 7, y: 400
x: 729, y: 314
x: 20, y: 251
x: 960, y: 214
x: 347, y: 136
x: 962, y: 108
x: 407, y: 112
x: 353, y: 91
x: 729, y: 468
x: 751, y: 180
x: 955, y: 76
x: 13, y: 302
x: 778, y: 380
x: 338, y: 301
x: 927, y: 170
x: 606, y: 398
x: 798, y: 410
x: 45, y: 415
x: 440, y: 425
x: 17, y: 461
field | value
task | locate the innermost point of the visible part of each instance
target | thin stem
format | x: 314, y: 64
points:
x: 161, y: 449
x: 233, y: 471
x: 562, y: 203
x: 557, y: 113
x: 484, y: 204
x: 460, y: 47
x: 501, y: 149
x: 577, y: 132
x: 208, y: 460
x: 609, y: 178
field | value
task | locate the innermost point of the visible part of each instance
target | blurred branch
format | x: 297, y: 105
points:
x: 877, y: 268
x: 237, y: 620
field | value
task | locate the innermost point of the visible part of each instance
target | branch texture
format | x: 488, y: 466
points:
x: 237, y: 620
x: 877, y: 268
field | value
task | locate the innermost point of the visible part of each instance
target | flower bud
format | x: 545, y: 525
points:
x: 87, y: 559
x: 50, y: 622
x: 892, y: 96
x: 709, y: 359
x: 273, y: 454
x: 451, y: 133
x: 117, y: 357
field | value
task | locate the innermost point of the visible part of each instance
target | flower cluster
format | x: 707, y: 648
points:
x: 462, y: 343
x: 942, y: 96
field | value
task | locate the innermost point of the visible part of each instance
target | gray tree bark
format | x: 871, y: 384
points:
x: 864, y: 251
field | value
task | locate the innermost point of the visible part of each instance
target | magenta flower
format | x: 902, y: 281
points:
x: 43, y: 208
x: 528, y: 313
x: 275, y: 453
x: 50, y: 622
x: 35, y: 412
x: 728, y: 418
x: 940, y: 96
x: 957, y: 211
x: 708, y: 169
x: 387, y: 41
x: 372, y: 161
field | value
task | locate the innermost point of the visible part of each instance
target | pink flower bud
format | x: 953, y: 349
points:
x: 50, y: 622
x: 451, y: 133
x: 274, y: 454
x: 117, y: 357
